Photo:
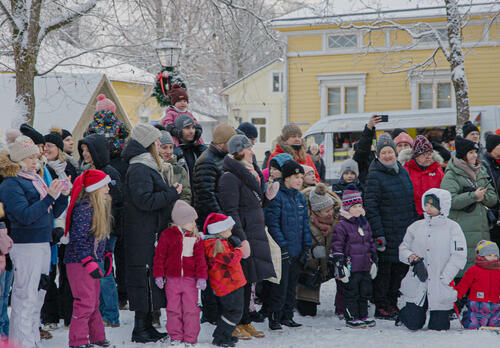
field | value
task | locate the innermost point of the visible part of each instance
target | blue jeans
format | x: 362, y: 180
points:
x: 109, y: 295
x: 5, y: 284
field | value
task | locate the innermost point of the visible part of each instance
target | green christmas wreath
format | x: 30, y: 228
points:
x: 164, y: 81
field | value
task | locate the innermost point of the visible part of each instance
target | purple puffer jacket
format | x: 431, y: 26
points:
x: 348, y: 241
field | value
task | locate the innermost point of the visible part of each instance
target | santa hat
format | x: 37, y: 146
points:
x: 92, y: 180
x: 217, y: 223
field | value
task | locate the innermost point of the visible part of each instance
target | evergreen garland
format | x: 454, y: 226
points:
x: 166, y: 78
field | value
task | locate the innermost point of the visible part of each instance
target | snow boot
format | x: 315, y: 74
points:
x: 274, y: 323
x: 252, y: 331
x: 142, y: 332
x: 369, y: 322
x: 103, y: 343
x: 306, y: 308
x: 257, y: 317
x: 290, y: 323
x: 152, y: 330
x: 241, y: 333
x: 381, y: 313
x: 82, y: 346
x: 355, y: 324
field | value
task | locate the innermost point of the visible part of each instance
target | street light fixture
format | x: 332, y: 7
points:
x: 168, y: 52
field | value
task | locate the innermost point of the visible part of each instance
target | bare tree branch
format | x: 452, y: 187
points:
x: 8, y: 14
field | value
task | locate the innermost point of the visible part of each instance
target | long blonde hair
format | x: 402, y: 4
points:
x: 154, y: 152
x: 101, y: 217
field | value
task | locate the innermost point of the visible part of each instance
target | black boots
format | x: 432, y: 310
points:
x: 144, y: 332
x: 274, y: 323
x: 223, y: 335
x: 306, y: 308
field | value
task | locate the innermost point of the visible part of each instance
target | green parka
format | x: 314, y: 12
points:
x: 474, y: 224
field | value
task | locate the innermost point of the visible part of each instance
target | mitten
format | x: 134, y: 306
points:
x: 419, y: 269
x: 201, y: 284
x: 246, y: 249
x: 108, y: 263
x: 381, y: 243
x: 373, y: 271
x: 159, y: 282
x: 92, y: 267
x: 234, y: 241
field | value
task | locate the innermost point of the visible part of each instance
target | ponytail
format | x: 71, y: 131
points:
x: 218, y: 247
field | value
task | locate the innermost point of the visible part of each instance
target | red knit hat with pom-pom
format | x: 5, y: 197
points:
x: 177, y: 93
x: 105, y: 104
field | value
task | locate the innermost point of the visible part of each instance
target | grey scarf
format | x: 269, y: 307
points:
x: 147, y: 159
x: 471, y: 171
x: 392, y: 166
x: 59, y: 167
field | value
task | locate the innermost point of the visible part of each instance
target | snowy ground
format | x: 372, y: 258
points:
x: 325, y: 330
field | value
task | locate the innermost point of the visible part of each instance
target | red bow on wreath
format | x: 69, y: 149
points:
x: 160, y: 77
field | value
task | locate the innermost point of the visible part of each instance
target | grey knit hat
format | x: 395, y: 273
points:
x: 183, y: 121
x: 319, y: 198
x: 237, y: 143
x: 145, y: 134
x: 349, y: 165
x: 383, y: 141
x: 166, y: 138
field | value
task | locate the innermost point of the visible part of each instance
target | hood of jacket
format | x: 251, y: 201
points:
x: 282, y: 147
x: 407, y: 154
x: 132, y: 149
x: 98, y: 147
x: 444, y: 201
x: 8, y: 169
x: 378, y: 166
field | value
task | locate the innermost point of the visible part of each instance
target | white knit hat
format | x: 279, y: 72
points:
x: 22, y: 148
x: 145, y: 134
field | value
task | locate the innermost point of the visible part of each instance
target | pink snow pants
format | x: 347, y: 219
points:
x: 86, y: 322
x: 183, y: 313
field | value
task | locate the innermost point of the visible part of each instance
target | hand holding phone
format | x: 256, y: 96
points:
x: 384, y: 118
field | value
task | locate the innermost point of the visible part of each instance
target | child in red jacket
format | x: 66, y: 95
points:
x: 483, y: 280
x: 179, y: 256
x: 224, y: 252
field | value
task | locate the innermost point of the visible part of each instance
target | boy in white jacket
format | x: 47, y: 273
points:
x: 436, y: 249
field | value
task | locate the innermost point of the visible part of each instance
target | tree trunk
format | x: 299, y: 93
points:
x: 25, y: 90
x: 457, y: 65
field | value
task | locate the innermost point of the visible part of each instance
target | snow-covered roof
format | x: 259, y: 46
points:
x: 60, y: 99
x: 251, y: 73
x: 342, y: 11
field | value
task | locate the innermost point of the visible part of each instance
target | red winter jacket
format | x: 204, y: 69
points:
x: 484, y: 284
x: 224, y: 270
x: 168, y: 260
x: 308, y: 161
x: 423, y: 180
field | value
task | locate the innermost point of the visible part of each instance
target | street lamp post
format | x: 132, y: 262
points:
x: 168, y: 52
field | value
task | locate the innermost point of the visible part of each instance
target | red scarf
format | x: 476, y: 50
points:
x: 325, y: 224
x: 483, y: 263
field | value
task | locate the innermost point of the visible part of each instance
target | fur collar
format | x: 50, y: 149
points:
x: 407, y: 154
x: 8, y: 169
x: 300, y: 156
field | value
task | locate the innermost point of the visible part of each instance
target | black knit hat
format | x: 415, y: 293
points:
x: 32, y: 133
x: 492, y: 141
x: 463, y: 146
x: 443, y: 152
x: 55, y: 138
x: 290, y: 168
x: 469, y: 127
x: 249, y: 130
x: 66, y: 133
x: 396, y: 132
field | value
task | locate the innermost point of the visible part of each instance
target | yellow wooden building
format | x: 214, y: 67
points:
x: 258, y: 98
x: 330, y: 70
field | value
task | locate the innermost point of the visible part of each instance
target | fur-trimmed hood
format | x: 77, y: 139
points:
x: 337, y: 202
x: 8, y: 169
x: 299, y: 156
x: 407, y: 154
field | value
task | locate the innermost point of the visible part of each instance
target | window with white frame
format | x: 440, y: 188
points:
x: 277, y: 81
x: 342, y: 93
x: 259, y: 120
x: 442, y: 32
x: 335, y: 41
x: 432, y: 90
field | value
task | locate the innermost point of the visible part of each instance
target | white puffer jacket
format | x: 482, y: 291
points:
x: 441, y: 242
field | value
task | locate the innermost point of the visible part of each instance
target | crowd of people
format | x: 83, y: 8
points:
x: 146, y: 218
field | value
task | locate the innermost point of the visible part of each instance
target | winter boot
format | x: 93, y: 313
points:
x: 156, y: 319
x: 82, y: 346
x: 355, y: 324
x: 252, y: 331
x: 306, y: 308
x: 103, y: 343
x: 44, y: 334
x: 274, y: 323
x: 290, y: 323
x: 369, y: 322
x: 381, y: 313
x: 152, y: 330
x: 142, y: 332
x: 240, y: 332
x: 257, y: 317
x: 222, y: 335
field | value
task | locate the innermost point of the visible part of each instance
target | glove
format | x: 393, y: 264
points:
x: 347, y: 274
x: 341, y: 272
x: 57, y: 233
x: 373, y: 271
x: 201, y: 284
x: 304, y: 256
x: 159, y: 282
x: 108, y: 263
x: 234, y: 241
x: 419, y: 269
x: 246, y: 249
x: 381, y: 243
x: 92, y: 267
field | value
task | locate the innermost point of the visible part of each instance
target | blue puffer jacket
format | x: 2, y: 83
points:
x: 30, y: 220
x: 288, y: 221
x: 390, y: 207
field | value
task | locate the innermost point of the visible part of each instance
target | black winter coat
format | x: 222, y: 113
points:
x: 207, y: 171
x: 99, y: 150
x: 241, y: 197
x: 363, y: 153
x: 390, y: 207
x: 147, y: 208
x: 187, y: 155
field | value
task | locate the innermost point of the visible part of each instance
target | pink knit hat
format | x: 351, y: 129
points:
x: 105, y: 104
x: 403, y: 138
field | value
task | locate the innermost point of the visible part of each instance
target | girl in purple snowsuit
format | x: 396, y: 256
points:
x: 355, y: 256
